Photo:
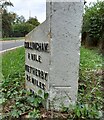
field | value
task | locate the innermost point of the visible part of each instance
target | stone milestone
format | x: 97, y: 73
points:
x: 53, y: 54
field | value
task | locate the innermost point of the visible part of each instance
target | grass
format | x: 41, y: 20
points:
x: 13, y: 62
x: 90, y: 78
x: 89, y: 93
x: 11, y: 38
x: 90, y: 59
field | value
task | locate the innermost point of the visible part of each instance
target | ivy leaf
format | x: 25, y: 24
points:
x: 40, y: 92
x: 78, y: 113
x: 46, y: 95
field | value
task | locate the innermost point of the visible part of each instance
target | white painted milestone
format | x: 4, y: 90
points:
x: 37, y: 59
x: 53, y: 54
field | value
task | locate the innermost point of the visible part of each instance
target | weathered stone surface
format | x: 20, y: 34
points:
x: 38, y: 35
x: 53, y: 53
x: 65, y: 24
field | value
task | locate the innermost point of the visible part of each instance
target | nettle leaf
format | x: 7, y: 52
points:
x: 19, y: 112
x: 2, y: 100
x: 21, y: 105
x: 15, y: 113
x: 78, y: 113
x: 23, y: 109
x: 30, y: 99
x: 17, y: 103
x: 34, y: 114
x: 36, y: 103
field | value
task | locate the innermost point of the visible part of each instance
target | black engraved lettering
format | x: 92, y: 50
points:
x: 46, y: 46
x: 39, y: 59
x: 43, y: 86
x: 29, y: 56
x: 46, y: 75
x: 32, y: 56
x: 33, y: 81
x: 42, y: 74
x: 36, y: 82
x: 28, y: 78
x: 36, y: 46
x: 31, y: 45
x: 40, y: 84
x: 26, y: 44
x: 39, y: 73
x: 27, y: 68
